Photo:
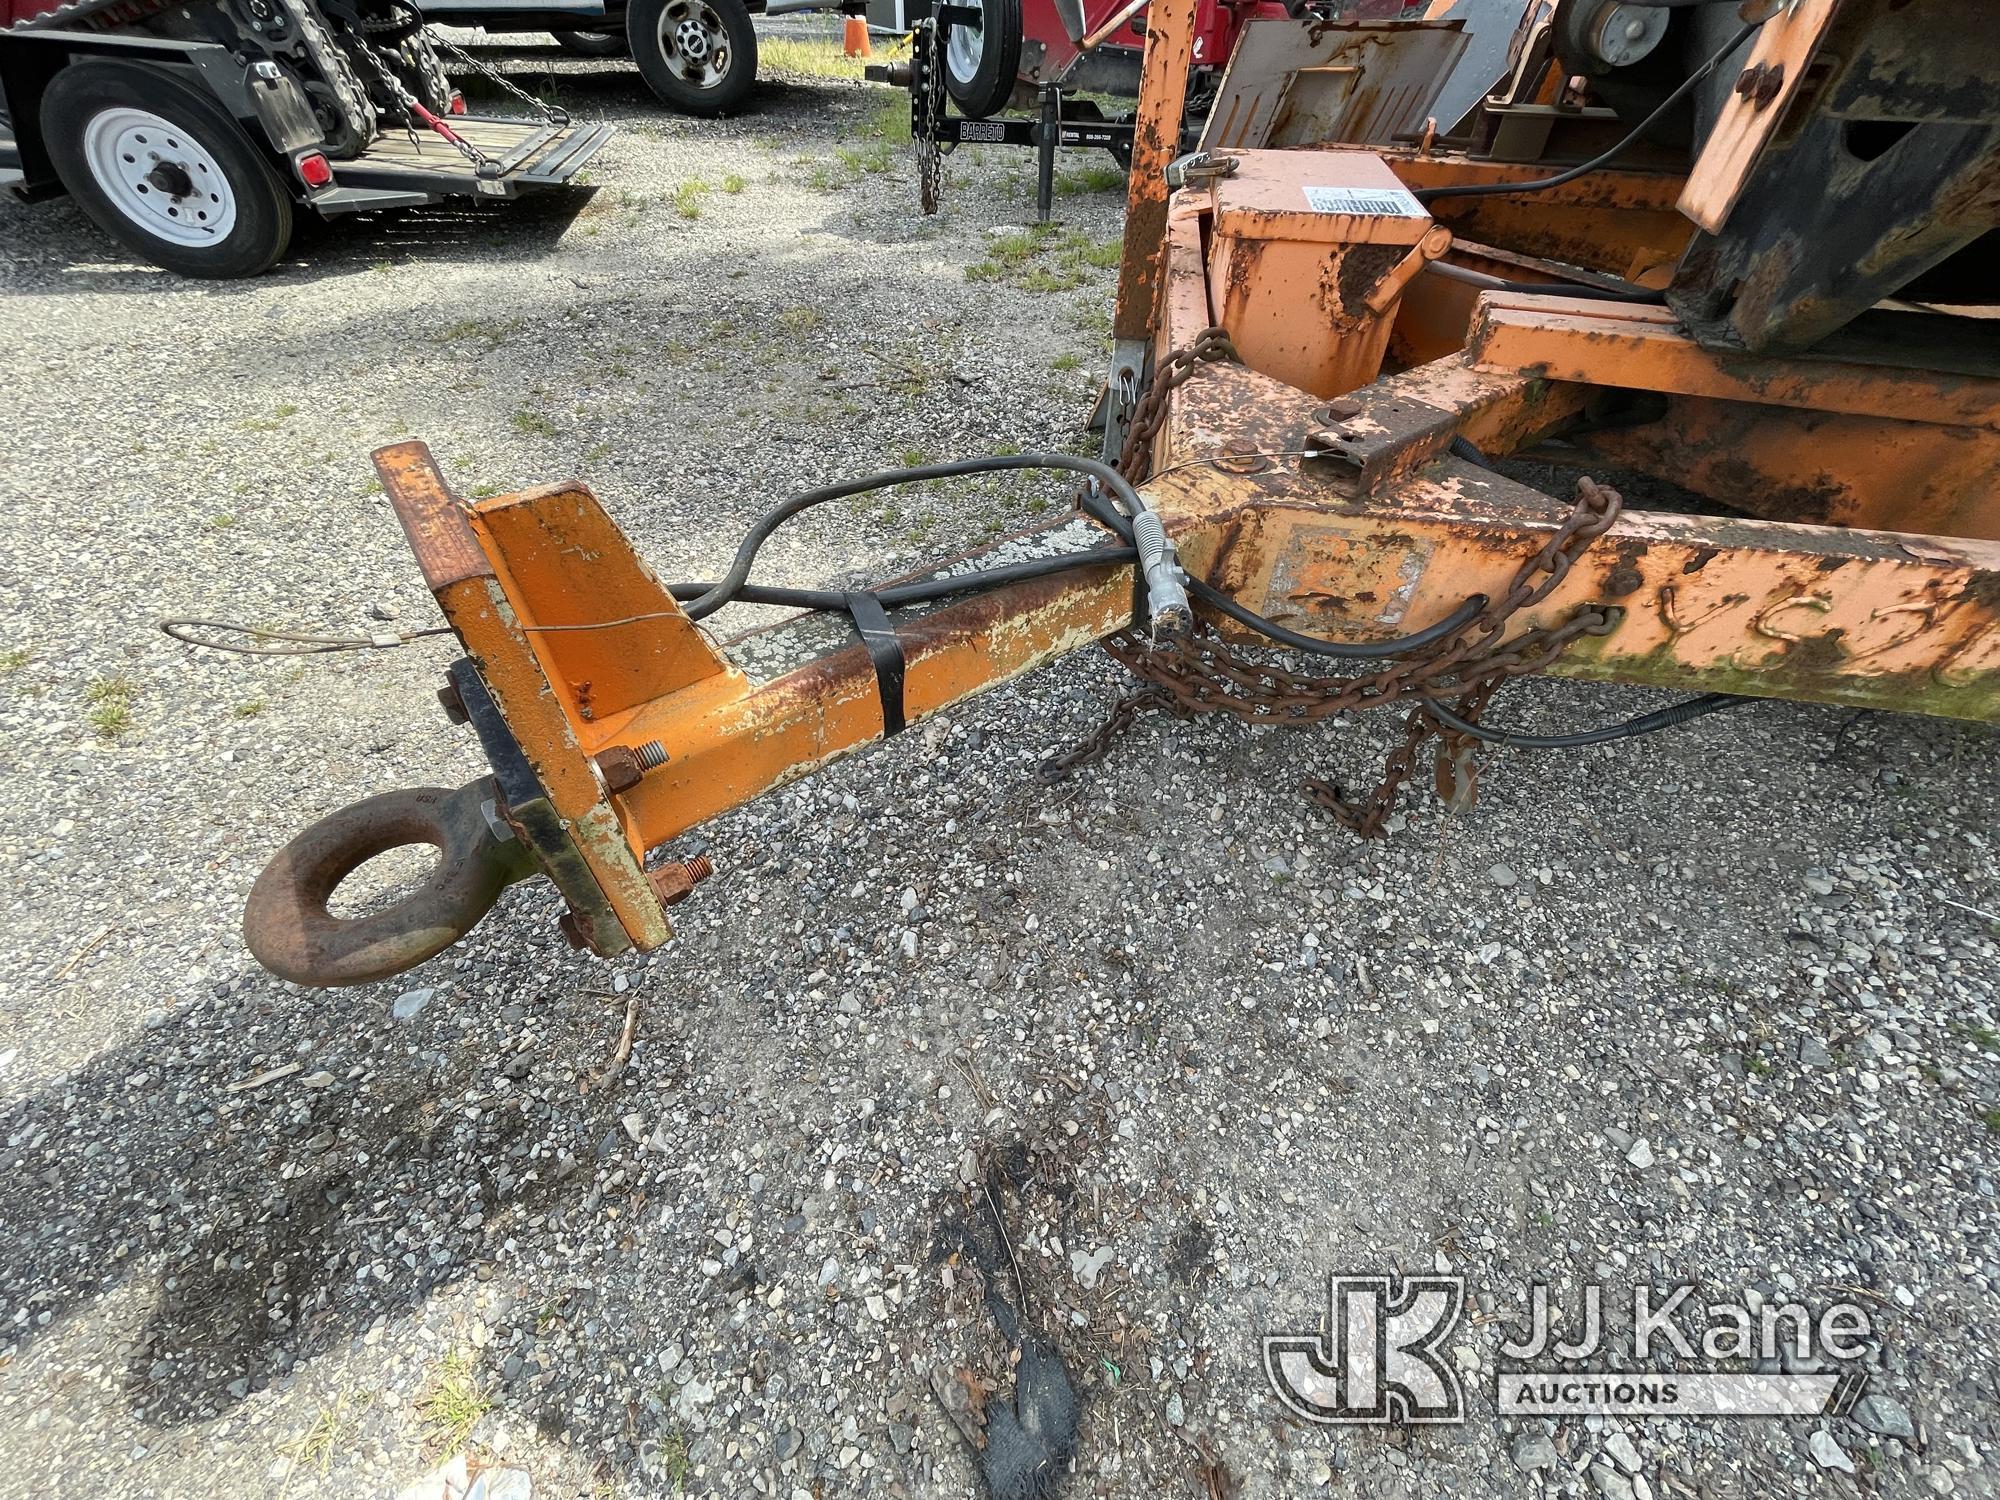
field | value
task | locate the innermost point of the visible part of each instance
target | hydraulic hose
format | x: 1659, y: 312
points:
x: 1652, y: 723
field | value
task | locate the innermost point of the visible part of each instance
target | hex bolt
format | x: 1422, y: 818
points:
x: 675, y: 881
x: 1760, y: 84
x: 621, y: 766
x: 1342, y: 409
x: 572, y: 929
x: 452, y: 704
x: 1240, y: 456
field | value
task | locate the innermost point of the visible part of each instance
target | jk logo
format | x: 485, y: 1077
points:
x: 1379, y: 1360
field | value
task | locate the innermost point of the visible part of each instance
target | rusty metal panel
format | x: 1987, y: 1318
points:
x: 432, y: 516
x: 1156, y: 141
x: 1750, y: 117
x: 1363, y: 83
x: 567, y: 564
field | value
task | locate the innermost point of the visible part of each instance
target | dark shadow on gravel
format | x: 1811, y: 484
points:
x: 525, y: 229
x: 258, y: 1223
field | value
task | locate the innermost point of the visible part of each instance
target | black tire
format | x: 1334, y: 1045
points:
x: 89, y: 94
x: 982, y: 86
x: 593, y: 43
x: 665, y: 35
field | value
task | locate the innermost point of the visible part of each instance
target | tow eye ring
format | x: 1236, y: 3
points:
x: 293, y: 934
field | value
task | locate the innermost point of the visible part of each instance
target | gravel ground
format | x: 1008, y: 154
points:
x: 1708, y: 1007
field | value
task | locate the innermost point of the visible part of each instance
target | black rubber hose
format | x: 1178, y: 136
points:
x: 1543, y: 288
x: 923, y: 591
x: 746, y: 555
x: 1428, y: 196
x: 1101, y: 510
x: 1652, y: 723
x: 1456, y: 621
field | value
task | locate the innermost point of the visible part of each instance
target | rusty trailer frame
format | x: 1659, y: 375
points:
x: 1840, y: 544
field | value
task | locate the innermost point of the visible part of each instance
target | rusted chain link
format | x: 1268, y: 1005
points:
x: 1149, y: 414
x: 927, y: 112
x: 1203, y: 675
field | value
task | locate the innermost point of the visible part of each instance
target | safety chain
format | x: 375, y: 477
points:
x: 927, y: 113
x: 1202, y: 675
x: 418, y: 110
x: 551, y: 115
x: 1149, y: 412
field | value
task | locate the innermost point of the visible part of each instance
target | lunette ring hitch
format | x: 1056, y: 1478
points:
x: 293, y: 934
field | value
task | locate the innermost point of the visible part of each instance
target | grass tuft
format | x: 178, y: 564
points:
x: 688, y: 196
x: 800, y: 319
x: 452, y: 1404
x: 110, y: 700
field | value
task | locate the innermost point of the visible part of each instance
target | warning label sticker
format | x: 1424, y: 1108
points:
x: 1385, y: 202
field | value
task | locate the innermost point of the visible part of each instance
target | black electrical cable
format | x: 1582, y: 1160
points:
x: 1543, y: 288
x: 1463, y: 447
x: 1456, y: 621
x: 924, y: 591
x: 1652, y: 723
x: 746, y: 555
x: 1428, y: 196
x: 1099, y: 508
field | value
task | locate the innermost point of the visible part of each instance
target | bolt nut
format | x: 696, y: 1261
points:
x: 620, y: 768
x: 568, y: 925
x: 452, y: 704
x: 1240, y: 456
x: 675, y: 881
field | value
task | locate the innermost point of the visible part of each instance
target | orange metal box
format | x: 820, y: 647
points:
x: 1338, y: 222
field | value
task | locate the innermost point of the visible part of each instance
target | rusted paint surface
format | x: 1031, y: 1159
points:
x: 1617, y: 222
x: 1156, y: 137
x: 1821, y: 468
x: 1864, y: 618
x: 726, y: 747
x: 433, y: 518
x: 1750, y: 118
x: 1641, y: 348
x: 1308, y: 296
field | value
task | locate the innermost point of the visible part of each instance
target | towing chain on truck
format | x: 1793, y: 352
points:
x: 419, y: 112
x: 1202, y: 675
x: 551, y: 114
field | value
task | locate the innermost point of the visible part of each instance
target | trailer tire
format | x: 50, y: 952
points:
x: 101, y: 121
x: 699, y: 56
x: 980, y: 66
x: 593, y: 43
